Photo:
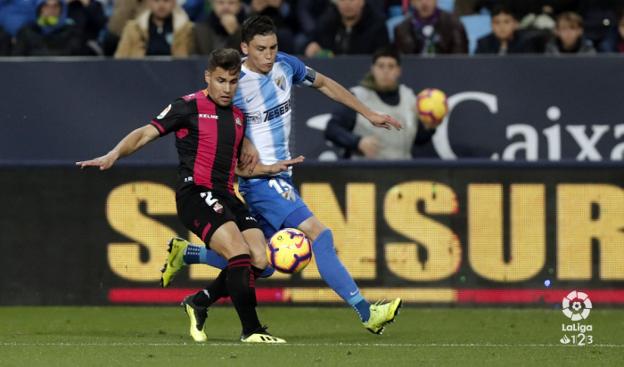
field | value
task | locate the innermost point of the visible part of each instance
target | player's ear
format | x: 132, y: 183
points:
x: 245, y: 48
x: 207, y: 76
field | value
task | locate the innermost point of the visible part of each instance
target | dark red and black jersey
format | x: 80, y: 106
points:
x: 208, y: 140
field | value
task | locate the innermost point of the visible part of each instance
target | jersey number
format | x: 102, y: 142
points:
x: 207, y: 196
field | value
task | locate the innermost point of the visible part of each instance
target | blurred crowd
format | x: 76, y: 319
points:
x: 314, y: 28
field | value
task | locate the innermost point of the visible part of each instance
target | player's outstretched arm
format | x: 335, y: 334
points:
x: 269, y: 169
x: 128, y: 145
x: 338, y: 93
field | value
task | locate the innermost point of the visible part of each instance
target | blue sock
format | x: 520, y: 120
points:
x: 199, y: 254
x: 336, y: 276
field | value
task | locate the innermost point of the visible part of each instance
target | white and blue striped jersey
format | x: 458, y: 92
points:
x: 265, y: 101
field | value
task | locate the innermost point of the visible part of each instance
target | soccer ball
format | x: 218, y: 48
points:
x: 431, y: 106
x: 289, y: 251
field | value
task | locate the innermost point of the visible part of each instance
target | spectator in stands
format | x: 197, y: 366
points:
x: 164, y: 29
x: 222, y: 28
x: 284, y: 18
x: 88, y: 15
x: 569, y: 36
x: 15, y: 14
x: 53, y: 34
x: 381, y: 91
x: 350, y: 27
x: 123, y: 11
x: 5, y: 43
x: 308, y: 16
x: 614, y: 42
x: 430, y: 30
x: 505, y: 37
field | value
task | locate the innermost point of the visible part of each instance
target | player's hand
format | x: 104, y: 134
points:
x: 249, y: 156
x: 103, y: 163
x: 384, y: 121
x: 282, y: 166
x: 369, y: 146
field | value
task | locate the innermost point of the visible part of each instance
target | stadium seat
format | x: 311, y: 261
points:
x: 393, y: 23
x: 476, y: 26
x: 447, y: 5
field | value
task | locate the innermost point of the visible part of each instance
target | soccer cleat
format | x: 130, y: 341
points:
x: 382, y: 314
x: 261, y: 336
x: 175, y: 260
x: 197, y: 315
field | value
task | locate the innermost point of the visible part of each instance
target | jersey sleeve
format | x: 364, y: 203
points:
x: 302, y: 74
x: 172, y: 118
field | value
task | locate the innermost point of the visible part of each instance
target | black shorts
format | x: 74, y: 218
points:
x: 203, y: 211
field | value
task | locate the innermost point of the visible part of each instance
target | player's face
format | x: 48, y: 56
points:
x: 222, y: 7
x: 261, y: 52
x: 161, y: 9
x: 222, y: 85
x: 425, y: 8
x: 386, y: 72
x: 503, y: 26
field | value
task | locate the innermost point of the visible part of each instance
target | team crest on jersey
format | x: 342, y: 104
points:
x: 281, y: 82
x: 238, y: 121
x: 164, y: 112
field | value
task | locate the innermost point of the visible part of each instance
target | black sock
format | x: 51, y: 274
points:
x: 216, y: 290
x: 241, y: 288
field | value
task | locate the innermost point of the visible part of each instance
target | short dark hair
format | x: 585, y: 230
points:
x: 226, y: 58
x: 502, y: 9
x: 387, y: 51
x: 257, y: 25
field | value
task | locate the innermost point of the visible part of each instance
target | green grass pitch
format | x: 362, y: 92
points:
x: 157, y: 336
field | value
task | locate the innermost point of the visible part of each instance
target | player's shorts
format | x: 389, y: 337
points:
x: 273, y: 201
x: 203, y: 211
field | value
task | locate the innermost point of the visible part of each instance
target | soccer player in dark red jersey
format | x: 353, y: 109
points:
x: 209, y: 137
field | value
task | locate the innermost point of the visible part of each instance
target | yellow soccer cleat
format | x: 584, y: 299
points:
x: 261, y: 336
x: 382, y: 314
x: 175, y: 260
x: 197, y: 316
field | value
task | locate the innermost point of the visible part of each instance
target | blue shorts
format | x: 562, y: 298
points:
x: 274, y: 202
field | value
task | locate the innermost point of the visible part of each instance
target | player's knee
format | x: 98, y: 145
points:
x: 237, y: 248
x: 313, y: 228
x: 259, y: 257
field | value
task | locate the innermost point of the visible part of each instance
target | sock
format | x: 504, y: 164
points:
x: 336, y: 276
x: 242, y: 291
x: 216, y: 290
x: 199, y: 254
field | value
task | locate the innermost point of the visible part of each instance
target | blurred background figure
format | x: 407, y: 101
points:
x: 123, y: 11
x: 283, y: 16
x: 222, y: 27
x: 614, y: 41
x: 15, y: 14
x: 52, y: 34
x: 569, y: 37
x: 307, y: 12
x: 430, y: 30
x: 349, y: 27
x: 164, y: 29
x: 382, y: 92
x: 5, y: 43
x: 505, y: 38
x: 90, y: 20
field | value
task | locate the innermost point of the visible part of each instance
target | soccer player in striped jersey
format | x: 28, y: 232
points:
x: 209, y: 135
x: 264, y: 96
